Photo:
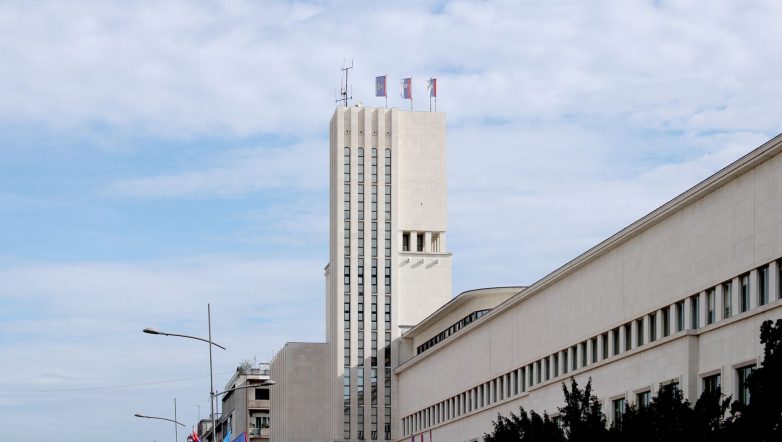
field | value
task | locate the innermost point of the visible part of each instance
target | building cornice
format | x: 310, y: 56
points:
x: 747, y: 162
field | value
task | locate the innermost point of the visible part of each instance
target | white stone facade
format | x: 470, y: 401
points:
x: 603, y: 315
x: 299, y: 399
x: 389, y: 263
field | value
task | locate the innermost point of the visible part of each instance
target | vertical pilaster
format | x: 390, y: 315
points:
x: 773, y: 281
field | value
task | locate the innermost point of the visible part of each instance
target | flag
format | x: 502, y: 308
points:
x: 195, y: 435
x: 407, y: 88
x: 431, y: 87
x: 380, y: 86
x: 227, y: 437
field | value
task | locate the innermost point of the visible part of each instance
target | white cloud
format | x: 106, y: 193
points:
x: 569, y: 119
x: 296, y: 167
x: 78, y: 326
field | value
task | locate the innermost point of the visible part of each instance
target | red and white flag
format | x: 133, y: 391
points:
x: 431, y: 87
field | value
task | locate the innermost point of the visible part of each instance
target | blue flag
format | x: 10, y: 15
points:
x: 407, y: 88
x: 380, y: 86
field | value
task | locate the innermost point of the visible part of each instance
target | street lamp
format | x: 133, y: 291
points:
x: 153, y: 331
x: 265, y: 383
x: 176, y: 430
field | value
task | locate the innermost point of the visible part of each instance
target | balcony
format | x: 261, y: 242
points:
x: 259, y: 433
x: 258, y: 404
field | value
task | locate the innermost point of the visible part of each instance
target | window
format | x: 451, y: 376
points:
x: 619, y: 409
x: 406, y: 241
x: 360, y: 390
x: 680, y: 316
x: 594, y: 350
x: 605, y: 345
x: 435, y: 242
x: 711, y: 307
x: 261, y: 394
x: 744, y: 293
x: 743, y: 374
x: 616, y: 341
x: 666, y: 316
x: 643, y: 399
x: 360, y: 165
x: 374, y: 165
x: 346, y: 163
x: 555, y: 361
x: 652, y: 327
x: 711, y: 383
x: 420, y: 242
x: 388, y: 423
x: 628, y: 336
x: 727, y: 307
x: 695, y: 311
x: 762, y: 285
x: 547, y: 368
x: 584, y: 354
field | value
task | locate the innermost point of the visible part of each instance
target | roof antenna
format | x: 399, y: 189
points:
x: 345, y: 93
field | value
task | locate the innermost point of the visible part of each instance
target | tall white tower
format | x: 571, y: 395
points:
x: 389, y: 265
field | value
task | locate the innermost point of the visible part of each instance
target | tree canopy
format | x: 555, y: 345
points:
x: 668, y: 416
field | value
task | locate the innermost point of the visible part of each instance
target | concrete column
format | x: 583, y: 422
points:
x: 514, y: 382
x: 611, y: 343
x: 773, y: 282
x: 413, y: 237
x: 659, y: 323
x: 428, y: 242
x: 622, y: 339
x: 634, y: 334
x: 718, y: 307
x: 735, y: 294
x: 579, y: 355
x: 599, y: 348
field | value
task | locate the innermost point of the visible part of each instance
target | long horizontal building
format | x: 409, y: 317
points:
x: 676, y: 297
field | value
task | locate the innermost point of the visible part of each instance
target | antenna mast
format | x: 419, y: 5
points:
x: 345, y: 93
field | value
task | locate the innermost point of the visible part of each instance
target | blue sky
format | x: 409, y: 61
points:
x: 157, y: 156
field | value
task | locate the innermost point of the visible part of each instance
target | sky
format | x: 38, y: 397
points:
x: 159, y: 156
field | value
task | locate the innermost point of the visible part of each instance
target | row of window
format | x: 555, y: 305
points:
x: 419, y: 237
x: 624, y: 338
x: 503, y: 387
x: 451, y: 330
x: 708, y: 384
x: 358, y: 271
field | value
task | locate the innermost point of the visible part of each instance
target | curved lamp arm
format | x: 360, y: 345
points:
x: 153, y: 331
x: 265, y: 383
x: 160, y: 418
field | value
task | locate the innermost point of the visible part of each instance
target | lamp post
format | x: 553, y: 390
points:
x: 176, y: 430
x: 209, y: 341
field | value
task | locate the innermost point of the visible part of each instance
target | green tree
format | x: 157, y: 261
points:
x: 526, y: 428
x: 761, y: 419
x: 582, y: 418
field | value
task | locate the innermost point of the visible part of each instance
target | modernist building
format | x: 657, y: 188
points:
x: 676, y: 297
x: 245, y: 410
x: 389, y: 264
